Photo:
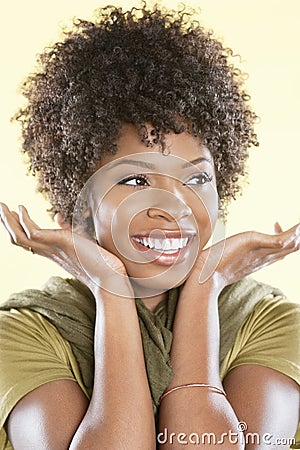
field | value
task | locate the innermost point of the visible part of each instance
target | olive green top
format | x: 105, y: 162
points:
x: 48, y: 334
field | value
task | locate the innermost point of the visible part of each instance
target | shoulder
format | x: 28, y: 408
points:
x: 32, y: 354
x: 236, y: 303
x: 269, y: 336
x: 30, y: 345
x: 258, y: 304
x: 48, y: 328
x: 245, y: 294
x: 58, y: 300
x: 39, y: 373
x: 22, y: 327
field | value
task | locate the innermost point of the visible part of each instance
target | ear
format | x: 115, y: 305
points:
x: 61, y: 223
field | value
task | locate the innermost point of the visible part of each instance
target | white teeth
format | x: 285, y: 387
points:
x: 146, y: 242
x: 167, y: 245
x: 175, y: 243
x: 164, y: 244
x: 158, y: 245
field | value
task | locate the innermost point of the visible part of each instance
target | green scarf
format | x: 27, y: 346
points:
x: 70, y: 307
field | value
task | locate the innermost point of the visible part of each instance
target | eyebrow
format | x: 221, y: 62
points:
x: 133, y: 162
x: 150, y: 166
x: 197, y: 161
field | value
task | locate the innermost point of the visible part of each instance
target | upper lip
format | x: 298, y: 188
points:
x: 165, y: 234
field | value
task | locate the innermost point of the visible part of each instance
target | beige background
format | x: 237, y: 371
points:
x: 266, y: 34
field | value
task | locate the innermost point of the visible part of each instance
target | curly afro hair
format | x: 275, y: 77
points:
x: 146, y: 65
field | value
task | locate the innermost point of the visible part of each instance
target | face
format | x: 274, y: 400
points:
x: 154, y: 211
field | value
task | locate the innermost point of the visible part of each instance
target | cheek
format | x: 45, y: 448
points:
x: 205, y: 211
x: 102, y: 217
x: 112, y: 220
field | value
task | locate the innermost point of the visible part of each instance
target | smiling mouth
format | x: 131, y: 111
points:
x: 164, y: 248
x: 168, y: 246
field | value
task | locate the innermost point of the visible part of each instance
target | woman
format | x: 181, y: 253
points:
x: 138, y: 129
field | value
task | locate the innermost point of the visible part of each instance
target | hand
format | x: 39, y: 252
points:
x: 242, y: 254
x: 95, y: 266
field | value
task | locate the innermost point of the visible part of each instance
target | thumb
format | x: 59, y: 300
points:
x: 277, y: 228
x: 59, y: 219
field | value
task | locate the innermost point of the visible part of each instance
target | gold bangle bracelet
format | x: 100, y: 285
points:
x: 208, y: 386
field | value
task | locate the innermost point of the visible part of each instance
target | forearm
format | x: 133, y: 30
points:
x: 195, y: 359
x: 195, y: 346
x: 120, y: 414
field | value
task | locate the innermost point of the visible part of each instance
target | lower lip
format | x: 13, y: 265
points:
x: 161, y: 258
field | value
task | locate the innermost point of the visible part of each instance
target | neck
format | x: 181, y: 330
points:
x: 152, y: 302
x: 150, y: 296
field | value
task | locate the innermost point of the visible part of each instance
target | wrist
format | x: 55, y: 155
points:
x: 122, y: 292
x: 118, y: 286
x: 213, y: 286
x: 203, y: 293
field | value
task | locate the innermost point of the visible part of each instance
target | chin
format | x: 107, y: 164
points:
x: 158, y: 283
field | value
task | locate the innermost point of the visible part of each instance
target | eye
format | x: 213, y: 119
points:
x: 135, y: 181
x: 198, y: 179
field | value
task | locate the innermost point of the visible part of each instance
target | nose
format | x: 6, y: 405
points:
x: 156, y: 213
x: 168, y: 207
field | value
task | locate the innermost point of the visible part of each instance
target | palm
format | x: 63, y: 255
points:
x: 78, y: 254
x: 242, y: 254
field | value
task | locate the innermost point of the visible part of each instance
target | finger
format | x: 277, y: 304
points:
x: 12, y: 226
x: 283, y: 253
x: 15, y: 229
x: 29, y: 226
x: 277, y: 228
x: 15, y: 215
x: 6, y: 231
x: 291, y: 245
x: 277, y: 241
x: 58, y: 218
x: 291, y: 236
x: 35, y: 233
